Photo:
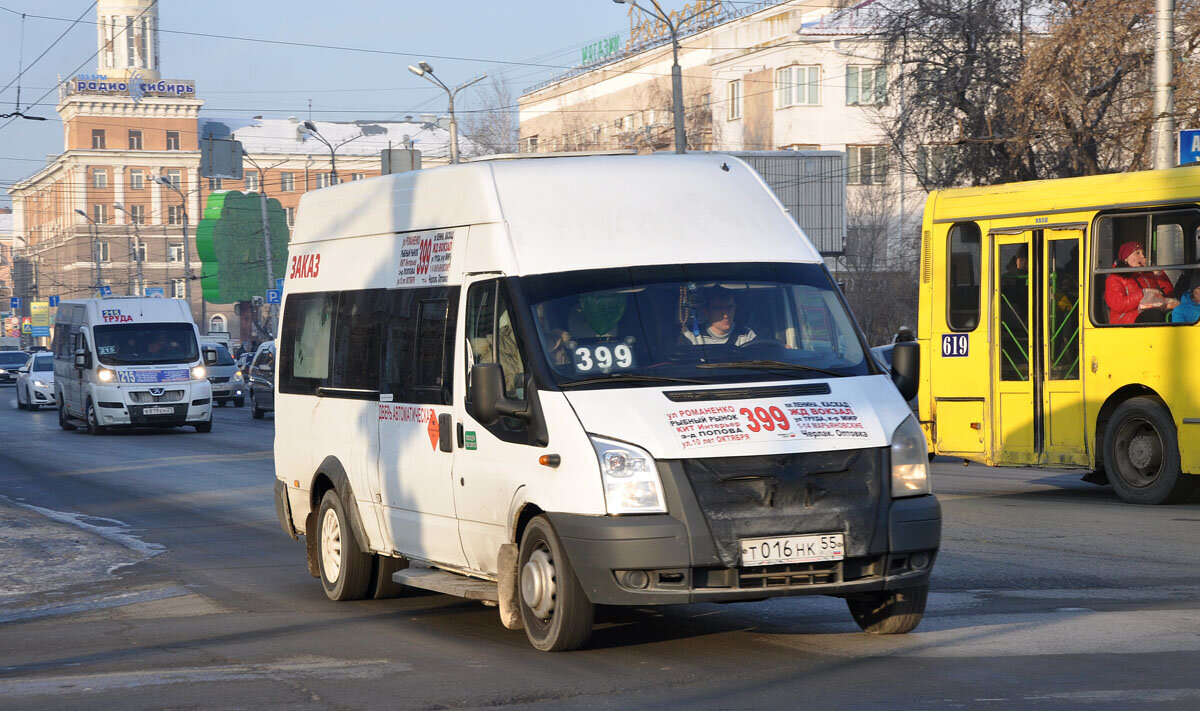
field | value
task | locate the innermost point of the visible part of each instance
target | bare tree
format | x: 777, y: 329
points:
x: 490, y: 123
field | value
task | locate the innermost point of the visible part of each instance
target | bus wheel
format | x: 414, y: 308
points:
x: 345, y: 570
x: 1141, y: 454
x: 557, y: 614
x: 889, y: 611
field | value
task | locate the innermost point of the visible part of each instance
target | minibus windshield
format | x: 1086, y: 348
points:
x: 693, y: 322
x: 146, y: 343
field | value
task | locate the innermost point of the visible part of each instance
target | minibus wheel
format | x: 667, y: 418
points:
x: 382, y: 586
x: 93, y: 420
x: 1141, y: 454
x: 345, y: 570
x: 63, y: 422
x: 557, y: 614
x: 889, y: 611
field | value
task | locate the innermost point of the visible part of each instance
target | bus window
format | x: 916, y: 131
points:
x: 1163, y: 238
x: 963, y: 265
x: 1063, y: 316
x: 1014, y: 312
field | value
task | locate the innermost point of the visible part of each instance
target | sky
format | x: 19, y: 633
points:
x: 359, y: 71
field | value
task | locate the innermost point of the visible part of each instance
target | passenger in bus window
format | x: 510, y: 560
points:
x: 1188, y: 310
x: 1144, y: 297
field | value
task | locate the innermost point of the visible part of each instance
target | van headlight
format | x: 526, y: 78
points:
x: 198, y: 372
x: 105, y: 375
x: 631, y: 483
x: 910, y: 460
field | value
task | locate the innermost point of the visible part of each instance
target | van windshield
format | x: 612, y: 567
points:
x: 146, y: 343
x: 693, y: 322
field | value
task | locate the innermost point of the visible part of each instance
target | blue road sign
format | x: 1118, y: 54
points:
x: 1189, y: 146
x: 279, y: 284
x: 53, y: 302
x: 15, y: 302
x: 40, y: 331
x: 273, y: 296
x: 106, y: 291
x: 155, y: 291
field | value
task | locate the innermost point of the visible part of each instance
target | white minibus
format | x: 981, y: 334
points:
x: 129, y: 362
x: 551, y: 384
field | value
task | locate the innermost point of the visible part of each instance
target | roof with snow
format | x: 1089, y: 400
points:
x: 6, y: 224
x: 350, y: 138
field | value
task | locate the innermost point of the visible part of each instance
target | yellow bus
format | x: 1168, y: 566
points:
x: 1046, y: 340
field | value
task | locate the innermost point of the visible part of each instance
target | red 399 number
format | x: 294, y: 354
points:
x: 761, y: 418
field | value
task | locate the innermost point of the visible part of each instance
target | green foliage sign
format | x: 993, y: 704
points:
x: 229, y: 242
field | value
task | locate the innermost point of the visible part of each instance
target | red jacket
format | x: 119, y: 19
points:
x: 1123, y: 293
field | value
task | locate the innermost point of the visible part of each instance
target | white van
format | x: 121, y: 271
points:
x: 560, y: 383
x: 129, y: 362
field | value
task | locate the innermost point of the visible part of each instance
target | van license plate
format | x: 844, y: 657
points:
x: 793, y: 549
x: 158, y: 411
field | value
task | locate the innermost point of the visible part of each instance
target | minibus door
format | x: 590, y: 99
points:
x: 1037, y: 408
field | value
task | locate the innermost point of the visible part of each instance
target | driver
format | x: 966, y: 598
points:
x: 720, y: 326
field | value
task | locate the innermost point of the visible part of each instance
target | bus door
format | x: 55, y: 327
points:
x: 1037, y: 408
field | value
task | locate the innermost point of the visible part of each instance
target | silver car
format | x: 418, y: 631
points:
x: 228, y: 384
x: 262, y: 381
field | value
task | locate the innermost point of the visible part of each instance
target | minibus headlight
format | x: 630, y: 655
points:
x: 198, y: 372
x: 631, y: 483
x: 105, y: 375
x: 910, y: 460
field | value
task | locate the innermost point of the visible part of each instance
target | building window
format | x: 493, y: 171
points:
x: 287, y: 182
x: 137, y: 214
x: 798, y: 86
x: 214, y: 183
x: 253, y: 184
x: 137, y: 179
x: 135, y: 140
x: 800, y: 147
x: 175, y: 177
x: 175, y: 253
x: 99, y: 178
x: 103, y: 249
x: 97, y: 138
x: 866, y: 86
x: 217, y: 323
x: 290, y: 212
x: 174, y: 214
x: 529, y: 144
x: 172, y: 140
x: 935, y: 165
x: 866, y: 165
x: 733, y: 96
x: 100, y: 213
x: 177, y: 290
x: 323, y: 180
x: 139, y: 251
x: 357, y: 176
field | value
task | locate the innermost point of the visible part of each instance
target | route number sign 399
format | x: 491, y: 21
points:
x: 954, y: 345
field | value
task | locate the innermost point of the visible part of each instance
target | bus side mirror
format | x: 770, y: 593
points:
x: 83, y: 359
x: 485, y: 398
x: 906, y: 368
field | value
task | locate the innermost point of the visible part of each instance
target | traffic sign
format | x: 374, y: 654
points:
x: 40, y: 331
x: 279, y: 284
x: 106, y: 291
x: 1189, y: 146
x: 273, y: 296
x: 53, y: 302
x: 155, y: 291
x: 15, y: 302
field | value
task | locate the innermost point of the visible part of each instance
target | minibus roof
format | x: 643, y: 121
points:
x: 564, y: 214
x: 130, y: 310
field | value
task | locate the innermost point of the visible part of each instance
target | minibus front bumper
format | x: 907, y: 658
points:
x: 172, y: 405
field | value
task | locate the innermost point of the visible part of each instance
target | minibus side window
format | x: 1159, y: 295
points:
x: 418, y: 340
x: 963, y: 267
x: 357, y: 336
x: 492, y: 338
x: 304, y: 343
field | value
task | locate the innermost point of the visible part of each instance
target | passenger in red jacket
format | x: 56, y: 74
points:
x: 1137, y: 296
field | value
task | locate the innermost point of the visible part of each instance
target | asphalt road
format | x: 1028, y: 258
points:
x: 147, y: 571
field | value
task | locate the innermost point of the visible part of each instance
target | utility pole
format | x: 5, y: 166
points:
x: 187, y: 258
x: 266, y: 228
x: 134, y: 249
x: 95, y: 230
x: 1164, y: 95
x: 676, y: 71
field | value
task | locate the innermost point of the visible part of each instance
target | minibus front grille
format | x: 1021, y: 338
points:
x: 145, y: 397
x: 747, y: 393
x: 792, y: 575
x: 835, y: 491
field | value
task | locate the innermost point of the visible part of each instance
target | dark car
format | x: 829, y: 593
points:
x: 10, y: 361
x: 262, y: 381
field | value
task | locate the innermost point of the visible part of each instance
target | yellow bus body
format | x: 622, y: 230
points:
x: 984, y: 398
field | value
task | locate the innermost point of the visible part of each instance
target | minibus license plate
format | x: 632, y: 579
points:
x: 792, y: 549
x: 158, y: 411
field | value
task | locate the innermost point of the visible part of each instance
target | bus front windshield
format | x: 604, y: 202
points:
x: 696, y: 323
x: 146, y: 343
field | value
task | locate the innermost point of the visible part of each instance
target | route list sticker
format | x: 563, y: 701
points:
x: 425, y: 259
x: 766, y: 421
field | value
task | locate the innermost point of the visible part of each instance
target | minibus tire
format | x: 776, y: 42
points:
x: 93, y: 420
x: 889, y: 611
x: 63, y: 421
x: 1148, y: 422
x: 336, y: 546
x: 204, y: 427
x: 546, y: 581
x: 383, y: 587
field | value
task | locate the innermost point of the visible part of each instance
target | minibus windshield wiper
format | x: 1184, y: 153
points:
x: 632, y: 378
x: 770, y: 365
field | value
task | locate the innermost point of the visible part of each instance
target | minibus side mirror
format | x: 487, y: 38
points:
x: 906, y: 368
x: 210, y: 356
x: 485, y: 398
x: 83, y: 359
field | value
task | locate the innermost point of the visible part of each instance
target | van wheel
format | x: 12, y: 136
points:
x: 63, y: 422
x: 1141, y: 454
x: 204, y: 427
x: 93, y: 420
x: 557, y: 615
x: 382, y: 586
x: 345, y: 570
x: 889, y: 611
x: 254, y: 411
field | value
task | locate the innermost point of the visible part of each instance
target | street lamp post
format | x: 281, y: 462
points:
x: 134, y: 248
x: 424, y: 70
x: 311, y: 128
x: 187, y: 258
x: 95, y: 230
x: 676, y: 72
